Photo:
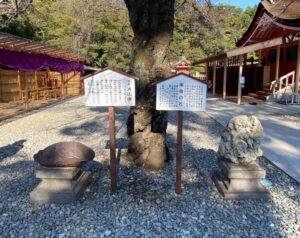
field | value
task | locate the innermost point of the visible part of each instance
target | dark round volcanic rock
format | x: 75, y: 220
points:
x: 64, y: 154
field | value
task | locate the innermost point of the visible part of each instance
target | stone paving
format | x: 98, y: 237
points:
x: 281, y: 125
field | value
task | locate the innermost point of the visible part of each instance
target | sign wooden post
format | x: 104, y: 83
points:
x: 112, y: 143
x: 110, y: 88
x: 180, y: 93
x: 179, y: 151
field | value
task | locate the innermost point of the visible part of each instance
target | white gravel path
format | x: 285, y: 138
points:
x: 146, y: 204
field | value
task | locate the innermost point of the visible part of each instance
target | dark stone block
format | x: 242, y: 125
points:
x: 64, y: 154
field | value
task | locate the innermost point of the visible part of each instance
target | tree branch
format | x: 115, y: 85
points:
x: 12, y: 8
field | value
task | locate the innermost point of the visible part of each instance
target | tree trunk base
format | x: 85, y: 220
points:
x: 147, y: 149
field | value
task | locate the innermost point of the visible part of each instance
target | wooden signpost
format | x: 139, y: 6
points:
x: 110, y: 88
x: 180, y: 93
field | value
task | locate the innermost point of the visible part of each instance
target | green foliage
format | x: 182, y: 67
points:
x: 112, y: 42
x: 21, y: 27
x: 205, y: 30
x: 100, y: 29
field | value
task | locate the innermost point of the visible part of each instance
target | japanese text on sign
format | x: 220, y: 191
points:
x: 109, y: 88
x: 181, y: 93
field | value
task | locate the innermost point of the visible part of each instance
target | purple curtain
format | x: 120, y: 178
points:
x: 35, y: 62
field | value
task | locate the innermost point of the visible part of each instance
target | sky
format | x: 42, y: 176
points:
x: 239, y: 3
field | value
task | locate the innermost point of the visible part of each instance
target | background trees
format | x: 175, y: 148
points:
x: 101, y: 29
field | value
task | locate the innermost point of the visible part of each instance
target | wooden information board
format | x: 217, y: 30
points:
x: 110, y: 88
x: 180, y: 93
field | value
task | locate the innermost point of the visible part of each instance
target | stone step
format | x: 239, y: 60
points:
x: 263, y: 93
x: 261, y: 97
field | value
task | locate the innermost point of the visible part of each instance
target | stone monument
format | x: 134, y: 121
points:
x: 239, y: 176
x: 62, y: 179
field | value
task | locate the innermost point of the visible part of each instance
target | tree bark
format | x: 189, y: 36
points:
x: 152, y: 22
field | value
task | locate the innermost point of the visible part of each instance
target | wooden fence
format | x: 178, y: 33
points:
x: 40, y: 85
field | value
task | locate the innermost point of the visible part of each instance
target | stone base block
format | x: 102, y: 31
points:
x: 241, y: 171
x: 56, y: 172
x: 239, y: 182
x: 230, y: 194
x: 57, y: 190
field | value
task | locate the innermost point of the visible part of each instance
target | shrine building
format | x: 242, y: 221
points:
x: 183, y: 66
x: 274, y: 35
x: 31, y: 71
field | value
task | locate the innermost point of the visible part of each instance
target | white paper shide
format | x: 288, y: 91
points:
x: 181, y: 93
x: 109, y: 88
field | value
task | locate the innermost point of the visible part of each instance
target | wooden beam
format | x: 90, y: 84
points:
x: 211, y: 59
x: 66, y: 81
x: 19, y: 85
x: 71, y: 77
x: 4, y: 36
x: 25, y: 91
x: 277, y: 63
x: 32, y: 47
x: 9, y: 43
x: 225, y: 77
x: 251, y: 48
x: 48, y: 50
x: 214, y: 79
x: 7, y: 39
x: 36, y: 85
x: 239, y: 96
x: 263, y: 45
x: 298, y: 70
x: 62, y: 85
x: 21, y: 43
x: 259, y: 55
x: 207, y: 71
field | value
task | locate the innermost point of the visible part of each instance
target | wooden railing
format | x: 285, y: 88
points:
x: 285, y: 80
x: 201, y: 77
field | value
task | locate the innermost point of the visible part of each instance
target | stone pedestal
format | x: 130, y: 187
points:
x: 59, y: 185
x: 240, y: 181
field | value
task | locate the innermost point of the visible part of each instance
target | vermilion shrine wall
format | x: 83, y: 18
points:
x: 286, y: 66
x: 253, y: 76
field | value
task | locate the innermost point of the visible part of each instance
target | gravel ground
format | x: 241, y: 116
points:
x: 146, y: 204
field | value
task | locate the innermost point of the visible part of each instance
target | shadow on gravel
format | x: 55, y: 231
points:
x: 96, y: 125
x: 20, y: 181
x: 118, y: 110
x: 121, y: 143
x: 11, y: 149
x: 83, y: 129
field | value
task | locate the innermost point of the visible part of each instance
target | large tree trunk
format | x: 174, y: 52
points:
x: 152, y: 22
